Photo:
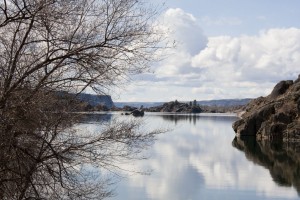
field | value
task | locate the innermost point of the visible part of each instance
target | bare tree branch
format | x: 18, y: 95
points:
x: 52, y: 46
x: 98, y: 41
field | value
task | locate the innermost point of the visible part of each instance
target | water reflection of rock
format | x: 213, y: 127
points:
x: 281, y: 159
x: 95, y: 117
x: 176, y: 118
x: 194, y: 118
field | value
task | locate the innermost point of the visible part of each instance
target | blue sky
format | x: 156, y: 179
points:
x: 226, y: 49
x: 242, y: 16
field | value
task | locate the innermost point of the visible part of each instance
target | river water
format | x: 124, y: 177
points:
x: 200, y: 158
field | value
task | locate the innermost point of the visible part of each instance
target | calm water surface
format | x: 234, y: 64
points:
x: 200, y: 158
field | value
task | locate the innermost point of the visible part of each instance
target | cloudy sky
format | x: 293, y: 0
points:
x: 225, y: 49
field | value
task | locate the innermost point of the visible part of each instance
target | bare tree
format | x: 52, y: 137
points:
x: 47, y: 46
x: 72, y: 44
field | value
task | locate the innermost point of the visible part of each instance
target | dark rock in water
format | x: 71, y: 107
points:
x: 277, y: 115
x: 237, y: 125
x: 138, y: 113
x: 251, y: 124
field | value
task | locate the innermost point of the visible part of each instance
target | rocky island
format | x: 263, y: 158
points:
x: 178, y: 107
x: 275, y: 116
x: 197, y: 107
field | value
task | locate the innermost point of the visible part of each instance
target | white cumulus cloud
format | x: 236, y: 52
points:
x: 270, y: 56
x: 185, y: 30
x: 202, y: 67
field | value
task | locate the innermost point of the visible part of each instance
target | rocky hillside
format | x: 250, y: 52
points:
x: 96, y: 100
x: 86, y: 102
x: 275, y: 116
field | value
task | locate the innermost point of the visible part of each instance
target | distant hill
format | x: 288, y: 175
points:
x: 220, y: 102
x: 95, y: 100
x: 225, y: 102
x: 138, y: 104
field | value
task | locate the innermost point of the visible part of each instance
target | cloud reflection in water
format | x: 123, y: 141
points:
x: 196, y: 160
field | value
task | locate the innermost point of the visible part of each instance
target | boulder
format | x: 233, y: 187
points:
x: 281, y: 88
x: 138, y: 113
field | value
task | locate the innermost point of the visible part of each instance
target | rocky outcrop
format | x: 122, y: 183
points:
x: 133, y: 111
x: 281, y: 88
x: 138, y: 113
x: 96, y: 100
x: 87, y: 102
x: 273, y: 116
x: 176, y: 107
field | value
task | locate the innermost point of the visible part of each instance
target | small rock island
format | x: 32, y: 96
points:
x: 177, y: 107
x: 275, y: 116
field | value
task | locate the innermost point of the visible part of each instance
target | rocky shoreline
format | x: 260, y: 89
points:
x: 275, y: 116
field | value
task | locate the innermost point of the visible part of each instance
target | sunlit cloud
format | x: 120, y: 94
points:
x: 185, y: 30
x: 220, y: 67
